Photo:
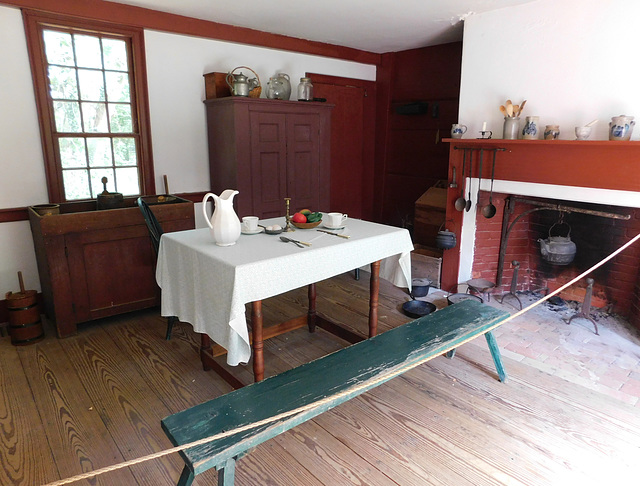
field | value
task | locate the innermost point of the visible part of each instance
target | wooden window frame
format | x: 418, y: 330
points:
x: 34, y: 21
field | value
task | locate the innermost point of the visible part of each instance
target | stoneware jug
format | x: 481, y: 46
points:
x: 620, y: 127
x: 279, y: 88
x: 224, y: 223
x: 530, y: 130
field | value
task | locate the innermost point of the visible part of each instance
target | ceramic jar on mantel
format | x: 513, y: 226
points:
x: 511, y: 127
x: 530, y: 130
x: 620, y: 127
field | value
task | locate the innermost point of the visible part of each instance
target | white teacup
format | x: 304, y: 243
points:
x: 250, y: 223
x: 335, y: 220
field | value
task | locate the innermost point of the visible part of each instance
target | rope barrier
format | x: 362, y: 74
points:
x: 369, y: 383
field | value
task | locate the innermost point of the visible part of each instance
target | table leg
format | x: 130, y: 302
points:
x: 256, y: 332
x: 311, y: 314
x: 374, y: 289
x: 205, y: 347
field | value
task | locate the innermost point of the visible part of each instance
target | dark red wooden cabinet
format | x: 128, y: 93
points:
x: 269, y: 150
x: 94, y: 264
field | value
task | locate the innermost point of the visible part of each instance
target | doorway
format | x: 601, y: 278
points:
x: 352, y: 142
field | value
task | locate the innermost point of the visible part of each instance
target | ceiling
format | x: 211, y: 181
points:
x: 370, y: 25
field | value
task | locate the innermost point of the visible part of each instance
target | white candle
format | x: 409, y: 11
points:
x: 484, y: 126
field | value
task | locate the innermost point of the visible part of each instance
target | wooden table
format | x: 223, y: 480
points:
x: 208, y: 286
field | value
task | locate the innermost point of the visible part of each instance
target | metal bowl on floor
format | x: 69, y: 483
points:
x: 455, y: 298
x: 418, y: 308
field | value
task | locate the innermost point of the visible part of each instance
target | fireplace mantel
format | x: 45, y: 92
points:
x: 608, y: 165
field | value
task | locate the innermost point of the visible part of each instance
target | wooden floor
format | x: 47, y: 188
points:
x: 96, y: 399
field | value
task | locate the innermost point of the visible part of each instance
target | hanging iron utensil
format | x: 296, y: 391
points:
x: 489, y: 211
x: 468, y: 205
x: 558, y: 250
x: 460, y: 203
x: 479, y: 177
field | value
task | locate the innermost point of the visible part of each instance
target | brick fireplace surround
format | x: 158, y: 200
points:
x: 600, y: 176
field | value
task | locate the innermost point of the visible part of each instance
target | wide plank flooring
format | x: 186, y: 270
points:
x: 73, y: 405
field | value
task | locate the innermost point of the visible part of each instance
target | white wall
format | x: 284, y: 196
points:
x: 22, y: 179
x: 175, y: 66
x: 572, y: 60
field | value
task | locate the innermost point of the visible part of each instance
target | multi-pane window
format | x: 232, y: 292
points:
x: 91, y: 110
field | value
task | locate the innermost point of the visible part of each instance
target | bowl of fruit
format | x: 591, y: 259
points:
x: 306, y: 219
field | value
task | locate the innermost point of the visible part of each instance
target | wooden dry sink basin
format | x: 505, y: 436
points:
x: 332, y: 379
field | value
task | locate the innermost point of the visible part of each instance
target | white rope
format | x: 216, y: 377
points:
x: 367, y: 384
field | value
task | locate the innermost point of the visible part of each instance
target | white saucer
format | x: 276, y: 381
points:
x: 332, y: 228
x: 254, y: 232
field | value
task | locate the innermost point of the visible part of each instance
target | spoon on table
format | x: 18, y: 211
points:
x: 489, y: 211
x: 295, y: 242
x: 460, y: 203
x: 468, y: 205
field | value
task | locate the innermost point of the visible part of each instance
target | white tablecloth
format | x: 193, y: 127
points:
x: 208, y: 285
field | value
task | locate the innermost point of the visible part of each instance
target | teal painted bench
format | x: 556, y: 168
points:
x: 329, y: 378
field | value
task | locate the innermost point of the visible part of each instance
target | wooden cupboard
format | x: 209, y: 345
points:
x: 268, y: 150
x: 95, y: 264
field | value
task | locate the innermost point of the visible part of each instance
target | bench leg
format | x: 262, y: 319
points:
x: 186, y: 478
x: 227, y: 473
x: 495, y: 354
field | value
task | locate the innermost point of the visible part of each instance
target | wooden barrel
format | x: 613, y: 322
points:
x: 25, y: 326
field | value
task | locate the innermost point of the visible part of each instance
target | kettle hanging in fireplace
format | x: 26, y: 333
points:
x: 558, y: 250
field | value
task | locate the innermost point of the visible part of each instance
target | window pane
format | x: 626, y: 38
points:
x: 99, y: 152
x: 95, y: 117
x: 67, y: 116
x: 91, y: 85
x: 96, y: 181
x: 124, y: 151
x: 117, y: 86
x: 76, y: 184
x: 115, y: 54
x: 88, y: 53
x: 62, y: 83
x: 120, y: 118
x: 127, y: 180
x: 57, y: 46
x: 72, y: 152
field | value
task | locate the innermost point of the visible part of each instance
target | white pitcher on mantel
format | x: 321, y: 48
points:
x: 224, y: 223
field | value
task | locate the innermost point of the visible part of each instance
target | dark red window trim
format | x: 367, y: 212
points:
x: 34, y: 21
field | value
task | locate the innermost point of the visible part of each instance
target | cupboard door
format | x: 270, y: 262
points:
x: 303, y: 161
x: 268, y: 163
x: 111, y: 272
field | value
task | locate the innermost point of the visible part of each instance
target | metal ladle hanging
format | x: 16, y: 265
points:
x: 460, y: 203
x: 468, y: 206
x: 489, y: 211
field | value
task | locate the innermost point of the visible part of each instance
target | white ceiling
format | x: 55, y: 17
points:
x: 370, y: 25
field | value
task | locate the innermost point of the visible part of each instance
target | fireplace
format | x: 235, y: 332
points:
x: 597, y: 184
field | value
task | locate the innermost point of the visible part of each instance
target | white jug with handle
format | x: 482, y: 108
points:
x: 224, y: 223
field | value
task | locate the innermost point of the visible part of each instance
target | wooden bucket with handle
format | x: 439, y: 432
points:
x: 25, y: 326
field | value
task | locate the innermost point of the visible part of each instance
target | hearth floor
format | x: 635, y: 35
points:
x: 608, y: 363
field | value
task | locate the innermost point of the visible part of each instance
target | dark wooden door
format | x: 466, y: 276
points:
x: 352, y: 142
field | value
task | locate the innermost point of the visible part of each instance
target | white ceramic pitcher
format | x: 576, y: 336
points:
x: 224, y: 223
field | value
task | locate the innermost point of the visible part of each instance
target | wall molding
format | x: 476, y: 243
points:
x: 153, y: 19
